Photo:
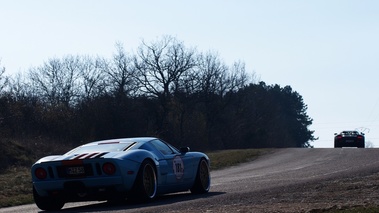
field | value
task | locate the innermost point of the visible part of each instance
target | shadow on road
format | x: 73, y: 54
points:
x: 159, y: 201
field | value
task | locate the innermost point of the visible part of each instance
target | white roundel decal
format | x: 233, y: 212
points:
x: 178, y: 167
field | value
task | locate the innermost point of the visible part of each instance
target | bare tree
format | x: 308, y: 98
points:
x: 211, y: 74
x: 217, y: 78
x: 121, y: 73
x: 162, y: 66
x: 92, y: 77
x: 57, y: 80
x: 3, y: 78
x: 20, y: 88
x: 237, y: 77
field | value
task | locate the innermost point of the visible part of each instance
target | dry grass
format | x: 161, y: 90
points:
x: 226, y: 158
x: 15, y: 187
x: 17, y: 157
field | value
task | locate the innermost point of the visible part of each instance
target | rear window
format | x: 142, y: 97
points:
x: 101, y: 147
x: 350, y: 132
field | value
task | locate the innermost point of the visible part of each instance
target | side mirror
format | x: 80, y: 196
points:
x: 184, y: 149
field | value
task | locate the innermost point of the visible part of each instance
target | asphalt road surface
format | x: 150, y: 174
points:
x: 252, y: 184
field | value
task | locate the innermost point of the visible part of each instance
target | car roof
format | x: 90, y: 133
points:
x: 117, y: 143
x: 123, y: 140
x: 350, y: 132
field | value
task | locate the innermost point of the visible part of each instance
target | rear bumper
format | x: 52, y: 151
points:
x: 77, y: 186
x: 349, y: 144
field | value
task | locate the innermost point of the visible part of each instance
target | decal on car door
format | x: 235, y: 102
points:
x: 178, y: 167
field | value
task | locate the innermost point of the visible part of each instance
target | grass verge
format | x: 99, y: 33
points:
x: 15, y: 187
x: 226, y: 158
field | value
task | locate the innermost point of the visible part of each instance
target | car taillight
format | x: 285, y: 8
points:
x: 109, y: 168
x: 339, y: 137
x: 359, y: 136
x: 40, y: 173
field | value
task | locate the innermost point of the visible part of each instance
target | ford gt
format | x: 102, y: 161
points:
x: 138, y: 169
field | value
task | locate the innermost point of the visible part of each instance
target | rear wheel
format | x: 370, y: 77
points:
x: 336, y: 145
x: 47, y: 203
x: 203, y: 180
x: 145, y: 185
x: 361, y: 145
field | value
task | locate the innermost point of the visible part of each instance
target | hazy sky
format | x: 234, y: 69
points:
x: 326, y: 50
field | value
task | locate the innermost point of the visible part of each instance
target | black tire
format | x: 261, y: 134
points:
x: 336, y: 146
x: 47, y: 203
x: 203, y: 179
x: 145, y: 185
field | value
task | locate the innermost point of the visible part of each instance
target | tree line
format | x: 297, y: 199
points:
x: 164, y: 89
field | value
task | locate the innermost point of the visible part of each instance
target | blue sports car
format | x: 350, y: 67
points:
x: 138, y: 169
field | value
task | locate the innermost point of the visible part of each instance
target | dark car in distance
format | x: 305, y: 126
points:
x: 349, y: 139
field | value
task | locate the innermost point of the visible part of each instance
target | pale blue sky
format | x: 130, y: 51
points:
x: 327, y: 50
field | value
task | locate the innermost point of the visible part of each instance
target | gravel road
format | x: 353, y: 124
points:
x: 287, y: 180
